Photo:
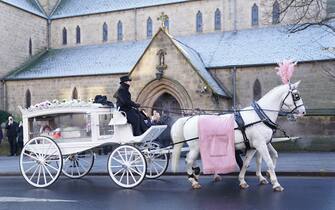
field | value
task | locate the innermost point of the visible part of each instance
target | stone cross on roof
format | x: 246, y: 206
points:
x: 163, y: 17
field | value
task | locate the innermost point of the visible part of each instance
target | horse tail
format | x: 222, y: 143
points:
x: 177, y: 135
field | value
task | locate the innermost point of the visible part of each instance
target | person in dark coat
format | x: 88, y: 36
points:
x: 123, y: 100
x: 19, y: 137
x: 11, y: 127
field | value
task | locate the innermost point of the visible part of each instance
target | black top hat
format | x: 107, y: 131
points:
x: 124, y: 79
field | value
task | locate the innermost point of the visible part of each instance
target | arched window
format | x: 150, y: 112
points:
x: 105, y: 32
x: 275, y: 13
x: 28, y: 99
x: 78, y: 35
x: 74, y: 93
x: 119, y: 31
x: 199, y: 22
x: 257, y: 90
x: 64, y: 36
x: 149, y: 27
x: 254, y: 15
x: 30, y: 47
x: 167, y: 24
x: 217, y: 20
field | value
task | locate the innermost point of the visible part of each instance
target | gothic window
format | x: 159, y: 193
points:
x: 30, y: 47
x: 78, y: 35
x: 254, y: 15
x: 199, y: 22
x: 167, y: 24
x: 74, y: 93
x: 149, y: 27
x: 119, y: 31
x: 64, y: 36
x: 275, y: 13
x: 257, y: 90
x: 105, y: 32
x: 217, y: 20
x: 28, y: 99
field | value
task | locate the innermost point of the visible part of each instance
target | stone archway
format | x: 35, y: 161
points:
x: 169, y: 105
x: 158, y: 88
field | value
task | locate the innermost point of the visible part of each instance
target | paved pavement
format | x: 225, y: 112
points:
x: 297, y: 164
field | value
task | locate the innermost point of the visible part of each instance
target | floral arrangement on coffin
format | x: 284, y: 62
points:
x: 56, y: 103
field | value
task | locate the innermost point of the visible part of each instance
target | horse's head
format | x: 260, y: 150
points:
x: 292, y: 102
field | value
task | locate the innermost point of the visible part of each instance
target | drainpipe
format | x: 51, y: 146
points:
x: 234, y: 87
x: 235, y: 16
x: 4, y: 95
x: 48, y: 33
x: 135, y: 23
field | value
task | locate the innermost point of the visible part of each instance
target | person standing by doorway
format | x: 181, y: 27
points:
x: 12, y: 134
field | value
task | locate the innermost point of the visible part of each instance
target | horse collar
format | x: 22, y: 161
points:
x: 263, y: 116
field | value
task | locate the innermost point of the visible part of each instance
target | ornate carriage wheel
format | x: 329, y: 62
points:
x: 41, y: 162
x: 127, y: 166
x: 78, y: 165
x: 156, y: 163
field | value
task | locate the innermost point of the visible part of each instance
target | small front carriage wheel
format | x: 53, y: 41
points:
x: 41, y: 161
x: 157, y: 162
x: 78, y: 165
x: 127, y: 166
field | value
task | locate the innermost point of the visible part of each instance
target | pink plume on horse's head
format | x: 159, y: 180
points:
x: 285, y: 70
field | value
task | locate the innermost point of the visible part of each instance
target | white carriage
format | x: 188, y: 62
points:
x: 59, y: 137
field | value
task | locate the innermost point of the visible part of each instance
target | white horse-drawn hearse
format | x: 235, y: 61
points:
x: 60, y: 137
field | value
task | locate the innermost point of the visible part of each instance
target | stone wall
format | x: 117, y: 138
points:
x: 135, y: 22
x: 60, y: 88
x: 315, y: 97
x: 182, y: 20
x: 17, y: 27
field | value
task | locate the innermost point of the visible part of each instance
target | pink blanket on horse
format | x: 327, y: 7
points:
x: 217, y: 149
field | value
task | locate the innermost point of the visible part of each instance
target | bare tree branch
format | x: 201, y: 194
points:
x: 302, y: 14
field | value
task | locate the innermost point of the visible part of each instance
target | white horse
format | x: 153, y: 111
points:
x: 282, y: 98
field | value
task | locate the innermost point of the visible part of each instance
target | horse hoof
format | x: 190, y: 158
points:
x: 196, y: 186
x: 217, y: 178
x: 264, y: 182
x: 278, y: 189
x: 244, y: 186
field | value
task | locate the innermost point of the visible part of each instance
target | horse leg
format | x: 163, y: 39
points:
x: 246, y: 162
x: 274, y: 154
x: 192, y: 170
x: 263, y: 150
x: 261, y: 178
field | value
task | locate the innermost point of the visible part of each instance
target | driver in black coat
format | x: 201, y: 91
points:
x: 134, y: 117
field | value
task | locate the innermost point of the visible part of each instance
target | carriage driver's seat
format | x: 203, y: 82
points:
x: 122, y: 129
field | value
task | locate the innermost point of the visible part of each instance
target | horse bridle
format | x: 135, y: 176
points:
x: 295, y: 97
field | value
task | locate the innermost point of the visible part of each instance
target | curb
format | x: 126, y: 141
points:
x: 249, y: 173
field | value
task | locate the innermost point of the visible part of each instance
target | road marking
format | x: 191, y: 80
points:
x: 22, y: 199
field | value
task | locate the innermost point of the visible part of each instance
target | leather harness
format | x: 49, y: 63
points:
x: 263, y: 119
